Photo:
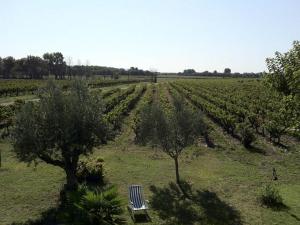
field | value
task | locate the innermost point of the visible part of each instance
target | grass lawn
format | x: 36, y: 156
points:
x: 26, y: 191
x: 223, y: 183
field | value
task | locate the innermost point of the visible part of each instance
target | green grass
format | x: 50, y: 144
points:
x: 26, y: 191
x: 225, y: 182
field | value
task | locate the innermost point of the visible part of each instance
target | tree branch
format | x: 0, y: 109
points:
x: 49, y: 160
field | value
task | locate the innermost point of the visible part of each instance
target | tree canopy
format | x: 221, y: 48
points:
x: 227, y: 71
x: 60, y: 128
x: 173, y: 131
x: 284, y: 79
x: 284, y: 71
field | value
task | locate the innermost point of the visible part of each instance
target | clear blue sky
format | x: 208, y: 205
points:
x: 168, y: 35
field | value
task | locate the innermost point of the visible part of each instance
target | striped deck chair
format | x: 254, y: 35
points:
x: 136, y: 200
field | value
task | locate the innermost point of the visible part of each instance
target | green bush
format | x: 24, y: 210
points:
x: 247, y: 134
x: 91, y: 171
x: 101, y: 207
x: 90, y: 206
x: 270, y: 196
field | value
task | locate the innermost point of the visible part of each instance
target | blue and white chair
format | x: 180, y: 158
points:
x: 137, y: 203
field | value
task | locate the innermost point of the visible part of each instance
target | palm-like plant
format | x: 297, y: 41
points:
x: 101, y: 207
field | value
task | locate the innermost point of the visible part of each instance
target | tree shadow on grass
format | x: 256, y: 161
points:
x: 294, y: 216
x: 277, y: 206
x: 256, y: 149
x: 217, y: 211
x: 188, y: 207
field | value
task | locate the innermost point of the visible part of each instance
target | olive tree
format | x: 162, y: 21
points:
x: 173, y: 131
x: 284, y: 71
x: 60, y: 128
x: 284, y: 77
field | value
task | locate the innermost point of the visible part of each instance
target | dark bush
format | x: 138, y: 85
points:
x: 270, y: 196
x: 91, y: 171
x: 247, y: 134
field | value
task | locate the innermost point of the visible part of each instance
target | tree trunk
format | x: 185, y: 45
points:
x: 72, y: 182
x: 208, y: 141
x: 177, y: 170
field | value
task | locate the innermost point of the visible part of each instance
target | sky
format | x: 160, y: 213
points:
x: 162, y: 35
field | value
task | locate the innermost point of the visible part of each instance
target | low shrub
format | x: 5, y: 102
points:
x: 91, y: 171
x: 101, y: 207
x: 247, y: 134
x: 89, y: 206
x: 270, y: 196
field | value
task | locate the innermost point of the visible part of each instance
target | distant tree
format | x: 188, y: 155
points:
x: 173, y: 132
x: 69, y: 67
x: 284, y: 71
x: 19, y: 69
x: 227, y: 71
x: 35, y: 67
x: 1, y: 66
x: 56, y: 64
x: 8, y: 65
x: 87, y: 71
x: 189, y: 72
x: 60, y: 128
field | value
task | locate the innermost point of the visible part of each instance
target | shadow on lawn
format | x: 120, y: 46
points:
x: 256, y: 149
x: 192, y: 207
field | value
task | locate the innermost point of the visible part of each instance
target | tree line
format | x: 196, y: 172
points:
x: 54, y: 64
x: 226, y: 73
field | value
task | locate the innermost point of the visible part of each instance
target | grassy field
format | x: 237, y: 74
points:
x: 224, y: 183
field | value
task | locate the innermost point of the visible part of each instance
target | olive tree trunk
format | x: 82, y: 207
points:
x: 71, y: 169
x: 72, y: 182
x: 177, y: 170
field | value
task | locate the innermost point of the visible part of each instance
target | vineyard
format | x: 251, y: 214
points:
x: 21, y: 87
x: 242, y: 108
x: 240, y: 104
x: 224, y: 162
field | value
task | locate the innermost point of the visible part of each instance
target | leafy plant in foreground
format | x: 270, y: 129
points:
x: 100, y: 207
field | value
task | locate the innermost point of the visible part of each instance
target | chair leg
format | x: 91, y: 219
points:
x: 147, y: 215
x: 132, y: 215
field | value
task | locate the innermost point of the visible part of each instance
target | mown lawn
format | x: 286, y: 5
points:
x: 26, y: 191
